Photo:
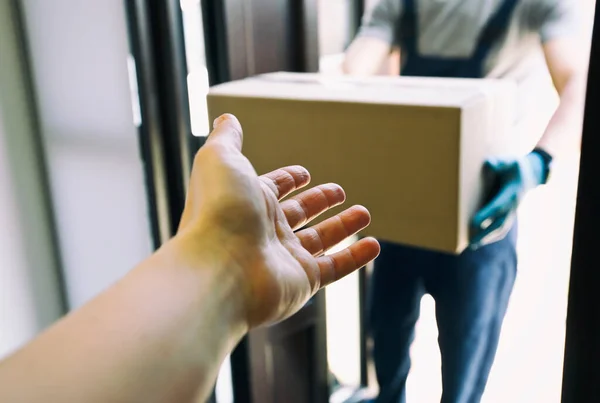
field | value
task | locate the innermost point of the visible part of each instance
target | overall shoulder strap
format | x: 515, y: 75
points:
x: 495, y: 28
x: 408, y: 27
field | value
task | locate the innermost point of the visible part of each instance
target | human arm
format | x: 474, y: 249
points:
x: 567, y: 63
x: 375, y: 40
x: 161, y: 333
x: 566, y: 53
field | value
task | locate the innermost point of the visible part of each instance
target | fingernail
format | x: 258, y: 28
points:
x: 220, y: 120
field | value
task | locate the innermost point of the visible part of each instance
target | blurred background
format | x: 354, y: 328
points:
x: 102, y: 106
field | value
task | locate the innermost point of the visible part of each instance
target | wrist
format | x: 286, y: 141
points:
x: 235, y: 261
x: 201, y: 272
x: 542, y: 162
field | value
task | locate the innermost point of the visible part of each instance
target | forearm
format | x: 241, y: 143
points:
x: 159, y: 335
x: 563, y: 133
x: 365, y: 57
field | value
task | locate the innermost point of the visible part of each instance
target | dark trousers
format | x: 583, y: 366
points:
x: 471, y: 293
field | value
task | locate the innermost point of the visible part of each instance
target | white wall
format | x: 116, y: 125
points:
x: 79, y: 57
x: 29, y: 287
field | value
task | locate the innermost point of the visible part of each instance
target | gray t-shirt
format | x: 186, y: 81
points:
x: 450, y: 28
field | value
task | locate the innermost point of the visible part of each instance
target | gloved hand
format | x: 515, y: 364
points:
x: 509, y: 181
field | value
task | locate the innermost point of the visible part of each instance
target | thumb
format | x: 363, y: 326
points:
x: 492, y: 166
x: 227, y: 130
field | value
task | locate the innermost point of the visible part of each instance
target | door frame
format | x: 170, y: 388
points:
x: 581, y: 371
x: 241, y: 42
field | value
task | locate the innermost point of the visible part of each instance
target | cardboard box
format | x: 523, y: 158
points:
x: 409, y: 149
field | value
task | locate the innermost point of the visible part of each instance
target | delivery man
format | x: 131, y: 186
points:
x: 470, y: 39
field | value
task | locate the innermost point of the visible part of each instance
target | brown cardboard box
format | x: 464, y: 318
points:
x: 409, y: 149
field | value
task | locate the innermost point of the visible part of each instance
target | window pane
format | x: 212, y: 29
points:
x: 196, y: 65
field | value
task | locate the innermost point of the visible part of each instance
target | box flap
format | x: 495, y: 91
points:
x: 372, y: 90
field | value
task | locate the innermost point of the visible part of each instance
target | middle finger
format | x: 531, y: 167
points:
x: 327, y: 234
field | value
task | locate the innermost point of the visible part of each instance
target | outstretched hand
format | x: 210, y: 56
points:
x: 235, y: 263
x: 238, y: 218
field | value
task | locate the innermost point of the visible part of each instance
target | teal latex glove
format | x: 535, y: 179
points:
x: 508, y: 182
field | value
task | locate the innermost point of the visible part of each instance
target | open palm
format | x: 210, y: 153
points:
x: 260, y: 236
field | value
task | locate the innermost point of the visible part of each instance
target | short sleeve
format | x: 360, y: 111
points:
x: 555, y: 19
x: 381, y: 21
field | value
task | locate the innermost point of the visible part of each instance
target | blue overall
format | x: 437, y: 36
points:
x: 471, y: 290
